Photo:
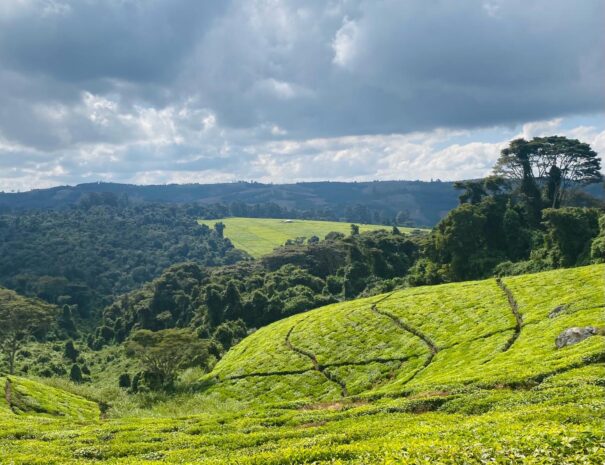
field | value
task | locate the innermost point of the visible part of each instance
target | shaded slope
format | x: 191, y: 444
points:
x: 26, y: 397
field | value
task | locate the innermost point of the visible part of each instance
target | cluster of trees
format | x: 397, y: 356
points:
x: 20, y: 320
x: 87, y: 255
x: 521, y: 219
x: 293, y: 279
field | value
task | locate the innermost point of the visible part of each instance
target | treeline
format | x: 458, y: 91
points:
x: 424, y: 202
x: 87, y: 255
x: 356, y: 213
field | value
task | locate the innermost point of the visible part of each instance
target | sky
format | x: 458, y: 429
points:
x: 189, y: 91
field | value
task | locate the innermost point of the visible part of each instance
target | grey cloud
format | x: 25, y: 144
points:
x: 395, y: 66
x: 135, y: 40
x: 196, y: 86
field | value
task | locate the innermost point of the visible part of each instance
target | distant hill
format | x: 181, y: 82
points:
x: 379, y: 202
x: 426, y: 202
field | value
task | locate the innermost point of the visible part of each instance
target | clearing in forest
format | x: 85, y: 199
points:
x: 259, y: 236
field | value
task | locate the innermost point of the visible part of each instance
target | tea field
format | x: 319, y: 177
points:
x: 464, y: 373
x: 259, y: 236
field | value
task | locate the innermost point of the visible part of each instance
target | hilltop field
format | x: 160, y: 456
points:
x: 465, y: 373
x: 259, y: 236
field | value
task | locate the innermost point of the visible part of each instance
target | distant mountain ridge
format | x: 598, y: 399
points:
x: 426, y: 202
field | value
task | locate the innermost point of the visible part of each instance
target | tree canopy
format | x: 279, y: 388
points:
x: 20, y: 319
x: 554, y: 163
x: 163, y: 353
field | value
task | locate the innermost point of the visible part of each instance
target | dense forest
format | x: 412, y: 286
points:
x: 293, y: 279
x: 87, y: 255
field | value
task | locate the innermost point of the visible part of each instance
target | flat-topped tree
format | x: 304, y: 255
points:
x: 554, y: 163
x: 21, y: 319
x: 163, y: 353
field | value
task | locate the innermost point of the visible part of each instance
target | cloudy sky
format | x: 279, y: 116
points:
x: 161, y: 91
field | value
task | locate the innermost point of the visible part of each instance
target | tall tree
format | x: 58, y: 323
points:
x: 21, y: 319
x: 220, y: 228
x: 215, y: 306
x: 555, y: 163
x: 233, y: 302
x: 460, y: 241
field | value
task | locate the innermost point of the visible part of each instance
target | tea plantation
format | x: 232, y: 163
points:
x: 465, y: 373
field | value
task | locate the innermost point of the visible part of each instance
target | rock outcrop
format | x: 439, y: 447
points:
x: 574, y: 335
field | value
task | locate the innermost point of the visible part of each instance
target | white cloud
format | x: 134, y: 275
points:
x: 344, y: 43
x: 540, y: 128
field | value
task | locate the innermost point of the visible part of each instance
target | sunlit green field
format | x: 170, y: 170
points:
x: 432, y: 375
x: 259, y: 236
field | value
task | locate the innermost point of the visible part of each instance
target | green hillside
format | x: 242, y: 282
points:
x: 259, y: 236
x: 421, y: 339
x: 24, y: 397
x: 464, y: 373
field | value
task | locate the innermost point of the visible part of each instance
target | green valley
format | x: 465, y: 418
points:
x: 280, y: 232
x: 452, y: 374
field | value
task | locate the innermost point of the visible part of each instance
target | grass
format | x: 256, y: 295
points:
x: 260, y: 236
x: 431, y: 377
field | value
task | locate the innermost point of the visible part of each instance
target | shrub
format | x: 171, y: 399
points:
x: 124, y: 380
x: 75, y: 374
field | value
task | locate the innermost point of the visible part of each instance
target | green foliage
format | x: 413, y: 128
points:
x: 555, y: 163
x: 569, y: 234
x: 597, y: 249
x: 75, y: 374
x: 499, y: 231
x: 82, y: 257
x: 20, y: 319
x: 124, y: 380
x: 291, y: 280
x: 162, y: 354
x: 71, y: 353
x: 229, y: 333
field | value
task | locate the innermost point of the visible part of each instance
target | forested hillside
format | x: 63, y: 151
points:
x: 87, y: 255
x: 292, y: 280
